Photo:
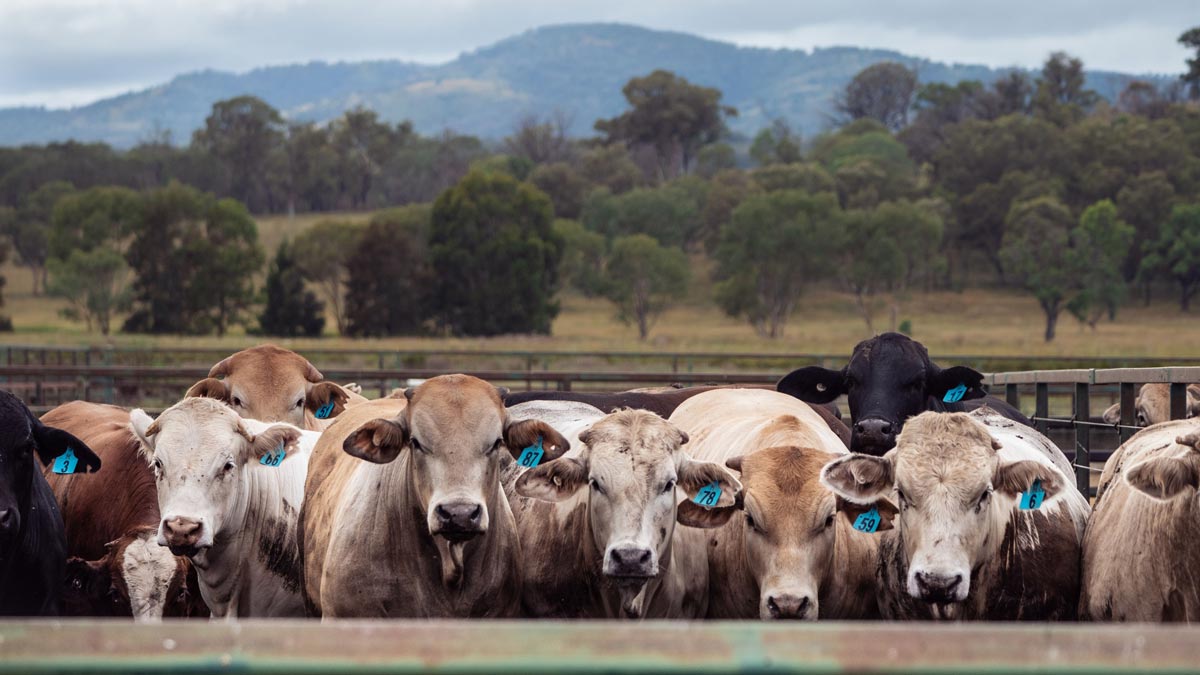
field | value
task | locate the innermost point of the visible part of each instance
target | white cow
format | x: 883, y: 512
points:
x: 229, y: 491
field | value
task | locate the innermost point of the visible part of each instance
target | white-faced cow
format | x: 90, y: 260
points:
x: 1140, y: 553
x: 405, y: 516
x: 976, y: 528
x: 272, y: 384
x: 1153, y: 405
x: 784, y: 556
x: 229, y: 494
x: 888, y: 379
x: 606, y: 545
x: 33, y: 546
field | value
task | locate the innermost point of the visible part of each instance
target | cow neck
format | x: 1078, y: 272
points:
x: 738, y: 590
x: 848, y: 590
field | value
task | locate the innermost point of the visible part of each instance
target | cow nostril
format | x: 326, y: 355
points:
x: 645, y: 557
x: 804, y: 603
x: 476, y: 513
x: 886, y: 429
x: 954, y: 582
x: 772, y: 606
x: 858, y: 428
x: 441, y: 512
x: 7, y: 517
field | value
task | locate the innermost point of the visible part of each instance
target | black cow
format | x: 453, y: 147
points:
x: 890, y: 378
x: 33, y: 544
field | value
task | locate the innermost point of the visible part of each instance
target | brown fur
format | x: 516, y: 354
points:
x: 1153, y: 405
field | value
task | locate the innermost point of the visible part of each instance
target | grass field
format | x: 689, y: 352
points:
x: 977, y: 321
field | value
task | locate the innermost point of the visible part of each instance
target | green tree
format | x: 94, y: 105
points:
x: 242, y: 134
x: 541, y: 141
x: 882, y: 92
x: 726, y: 191
x: 1099, y: 245
x: 95, y: 283
x: 363, y: 144
x: 669, y: 214
x: 563, y: 184
x: 1191, y: 40
x: 1036, y: 252
x: 775, y: 244
x: 322, y: 253
x: 811, y: 178
x: 1144, y: 202
x: 776, y: 144
x: 291, y: 310
x: 1060, y: 95
x: 671, y: 115
x: 390, y: 280
x: 584, y: 255
x: 610, y: 167
x: 714, y: 158
x: 1176, y: 252
x: 644, y: 278
x: 868, y: 164
x: 495, y: 257
x: 29, y: 228
x: 100, y: 217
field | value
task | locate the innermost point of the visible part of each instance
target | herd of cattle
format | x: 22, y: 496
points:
x: 270, y: 492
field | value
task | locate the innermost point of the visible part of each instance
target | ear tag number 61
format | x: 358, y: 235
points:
x: 955, y: 395
x: 709, y: 495
x: 532, y: 455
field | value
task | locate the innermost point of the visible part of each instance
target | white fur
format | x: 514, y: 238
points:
x: 148, y: 569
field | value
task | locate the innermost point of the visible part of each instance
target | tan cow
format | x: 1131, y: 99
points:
x: 785, y: 557
x: 607, y: 545
x: 1153, y: 405
x: 977, y: 528
x: 404, y: 515
x: 1140, y: 557
x: 272, y: 384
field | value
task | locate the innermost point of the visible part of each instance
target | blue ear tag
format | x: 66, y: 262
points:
x: 869, y: 521
x: 274, y: 457
x: 65, y: 463
x: 709, y: 495
x: 955, y: 395
x: 324, y: 411
x: 531, y: 456
x: 1034, y: 498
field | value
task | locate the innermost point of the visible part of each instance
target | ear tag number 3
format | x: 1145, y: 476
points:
x: 955, y: 395
x: 532, y: 456
x: 65, y: 463
x: 709, y: 495
x: 324, y: 411
x: 1034, y: 498
x: 869, y: 521
x: 274, y: 457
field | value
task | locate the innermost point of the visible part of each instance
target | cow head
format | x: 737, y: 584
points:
x: 136, y: 577
x: 1153, y: 405
x: 889, y: 379
x: 271, y: 384
x: 953, y: 498
x: 201, y: 451
x: 788, y: 528
x: 453, y: 429
x: 22, y: 437
x: 632, y: 468
x: 1170, y: 474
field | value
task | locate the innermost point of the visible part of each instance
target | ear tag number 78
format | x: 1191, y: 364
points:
x: 709, y: 495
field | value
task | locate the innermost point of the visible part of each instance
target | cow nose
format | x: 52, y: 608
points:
x: 458, y: 518
x: 9, y: 520
x: 938, y: 588
x: 873, y: 433
x: 630, y: 561
x: 787, y: 606
x: 182, y: 534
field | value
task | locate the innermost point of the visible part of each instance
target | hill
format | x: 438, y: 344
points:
x: 578, y: 68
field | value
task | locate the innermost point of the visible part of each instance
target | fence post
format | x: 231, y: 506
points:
x: 1083, y: 441
x: 1041, y: 409
x: 1128, y: 412
x: 1178, y: 400
x: 1012, y: 395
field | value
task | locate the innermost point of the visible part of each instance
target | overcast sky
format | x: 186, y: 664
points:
x: 68, y: 52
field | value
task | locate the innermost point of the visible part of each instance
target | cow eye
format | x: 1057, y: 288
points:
x: 829, y: 521
x: 900, y: 497
x: 495, y: 446
x: 750, y: 523
x: 299, y: 402
x: 595, y: 485
x: 237, y: 402
x: 77, y: 583
x: 158, y: 466
x: 416, y: 445
x: 114, y: 595
x: 982, y: 500
x: 670, y: 486
x: 229, y: 466
x: 1141, y: 420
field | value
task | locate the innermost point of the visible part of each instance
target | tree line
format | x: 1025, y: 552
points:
x: 1029, y: 182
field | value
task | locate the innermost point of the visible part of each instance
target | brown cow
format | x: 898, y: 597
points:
x: 272, y: 384
x: 117, y: 570
x: 1153, y: 405
x: 1139, y: 552
x: 403, y: 512
x: 786, y: 556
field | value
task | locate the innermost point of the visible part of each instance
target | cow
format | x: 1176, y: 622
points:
x: 1153, y: 405
x: 976, y: 524
x: 33, y: 545
x: 601, y: 519
x: 116, y: 567
x: 661, y: 401
x: 888, y: 379
x: 229, y: 495
x: 405, y: 516
x: 271, y: 384
x: 1139, y: 551
x: 784, y: 557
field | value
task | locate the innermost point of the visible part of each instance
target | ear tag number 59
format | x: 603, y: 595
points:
x: 532, y: 455
x: 65, y: 463
x: 955, y: 395
x: 709, y: 495
x: 869, y: 521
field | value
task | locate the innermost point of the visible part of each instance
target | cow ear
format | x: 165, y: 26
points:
x: 521, y: 435
x: 691, y: 514
x: 884, y: 507
x: 1113, y: 414
x: 861, y: 479
x: 695, y: 476
x: 273, y: 444
x: 1013, y: 479
x: 209, y: 388
x: 322, y: 394
x: 1193, y: 395
x: 84, y: 577
x: 379, y: 441
x: 1163, y: 477
x: 53, y: 442
x: 554, y: 481
x: 145, y: 429
x: 813, y: 384
x: 944, y: 381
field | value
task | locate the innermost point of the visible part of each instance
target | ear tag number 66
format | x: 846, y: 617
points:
x: 274, y: 457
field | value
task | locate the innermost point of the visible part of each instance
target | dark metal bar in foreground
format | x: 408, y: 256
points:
x: 592, y: 647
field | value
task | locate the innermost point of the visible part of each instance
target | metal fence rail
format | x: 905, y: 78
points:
x: 289, y: 647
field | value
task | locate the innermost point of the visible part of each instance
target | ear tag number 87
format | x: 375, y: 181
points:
x: 531, y: 456
x: 709, y: 495
x: 65, y: 463
x: 274, y: 457
x: 868, y: 521
x: 955, y: 395
x: 324, y: 411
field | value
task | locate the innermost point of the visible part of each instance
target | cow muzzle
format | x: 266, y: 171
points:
x: 10, y: 522
x: 630, y: 562
x: 938, y: 587
x: 184, y: 536
x: 783, y: 605
x: 873, y: 436
x: 458, y: 521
